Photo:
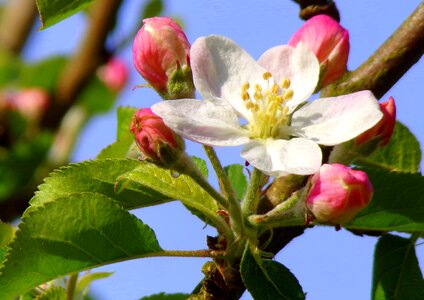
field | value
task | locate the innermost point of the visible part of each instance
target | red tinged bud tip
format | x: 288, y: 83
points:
x: 383, y: 130
x: 160, y: 48
x: 157, y: 142
x: 114, y: 74
x: 338, y: 193
x: 329, y: 42
x: 31, y: 103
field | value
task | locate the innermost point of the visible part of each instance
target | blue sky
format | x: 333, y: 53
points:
x: 330, y: 265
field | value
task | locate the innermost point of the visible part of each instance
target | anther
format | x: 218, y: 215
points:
x: 288, y: 94
x: 285, y: 83
x: 267, y: 75
x: 245, y: 87
x: 258, y: 96
x: 245, y: 96
x: 275, y: 89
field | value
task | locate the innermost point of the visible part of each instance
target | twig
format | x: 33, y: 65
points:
x: 16, y: 23
x: 389, y: 63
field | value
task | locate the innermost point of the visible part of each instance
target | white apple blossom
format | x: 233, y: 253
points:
x: 280, y: 135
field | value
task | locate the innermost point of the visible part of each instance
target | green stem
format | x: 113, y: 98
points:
x: 70, y: 287
x: 251, y: 200
x: 291, y: 212
x: 414, y: 237
x: 227, y: 189
x: 185, y: 165
x: 186, y: 253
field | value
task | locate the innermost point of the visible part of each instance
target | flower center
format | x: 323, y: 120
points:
x: 267, y: 104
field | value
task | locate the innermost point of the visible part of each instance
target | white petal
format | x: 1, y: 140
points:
x: 220, y: 68
x: 211, y: 123
x: 331, y: 121
x: 282, y: 157
x: 298, y: 64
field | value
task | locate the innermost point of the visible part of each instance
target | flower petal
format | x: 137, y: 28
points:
x: 298, y: 64
x: 282, y: 157
x: 212, y: 123
x: 331, y: 121
x: 220, y: 68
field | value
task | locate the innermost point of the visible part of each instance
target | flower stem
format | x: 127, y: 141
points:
x: 227, y: 189
x: 70, y: 287
x: 251, y: 200
x: 186, y: 253
x: 186, y: 166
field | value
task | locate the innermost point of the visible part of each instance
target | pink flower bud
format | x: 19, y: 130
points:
x: 383, y: 130
x: 338, y: 193
x: 30, y: 103
x: 157, y: 142
x: 160, y: 48
x: 114, y: 74
x: 329, y: 42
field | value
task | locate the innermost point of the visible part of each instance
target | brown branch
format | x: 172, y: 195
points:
x: 86, y: 60
x: 16, y: 23
x: 310, y: 8
x: 389, y: 63
x: 80, y: 68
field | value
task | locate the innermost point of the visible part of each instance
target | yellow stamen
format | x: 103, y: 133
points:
x: 267, y: 75
x: 285, y: 83
x: 275, y: 89
x: 288, y: 94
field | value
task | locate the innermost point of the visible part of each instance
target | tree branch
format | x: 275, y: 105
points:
x: 80, y: 68
x: 310, y: 8
x: 16, y: 23
x: 86, y: 60
x: 389, y: 63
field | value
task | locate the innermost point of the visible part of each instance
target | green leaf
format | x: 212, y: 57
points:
x: 84, y: 281
x: 71, y: 234
x: 397, y: 204
x: 7, y: 232
x: 402, y: 154
x: 96, y: 97
x: 267, y: 279
x: 52, y: 12
x: 43, y: 74
x: 237, y: 178
x: 175, y: 186
x: 97, y: 176
x: 123, y: 148
x: 53, y: 293
x: 396, y: 273
x: 163, y: 296
x: 201, y: 164
x: 152, y: 8
x: 124, y: 117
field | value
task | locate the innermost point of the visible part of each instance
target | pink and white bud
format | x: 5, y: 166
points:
x: 157, y: 142
x: 114, y: 74
x: 383, y: 130
x: 30, y: 103
x: 329, y: 42
x: 338, y: 193
x: 160, y: 49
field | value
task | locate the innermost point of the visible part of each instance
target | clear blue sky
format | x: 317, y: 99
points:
x: 330, y: 265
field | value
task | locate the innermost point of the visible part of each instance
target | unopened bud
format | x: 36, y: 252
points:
x: 383, y: 130
x: 338, y: 193
x: 161, y: 54
x: 329, y: 42
x: 114, y: 74
x: 30, y: 103
x: 157, y: 142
